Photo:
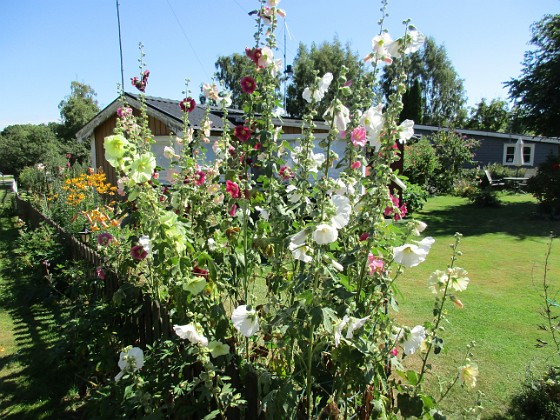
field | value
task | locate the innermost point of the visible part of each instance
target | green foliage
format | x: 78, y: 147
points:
x: 28, y: 145
x: 539, y: 398
x: 76, y: 110
x: 493, y: 116
x: 412, y: 103
x: 484, y: 197
x: 318, y: 60
x: 443, y: 92
x: 421, y: 162
x: 415, y: 196
x: 453, y: 152
x: 545, y: 185
x: 37, y: 249
x: 536, y: 90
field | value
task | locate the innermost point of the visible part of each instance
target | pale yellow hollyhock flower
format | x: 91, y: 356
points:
x: 468, y: 375
x: 218, y: 349
x: 142, y: 168
x: 115, y: 148
x: 325, y: 234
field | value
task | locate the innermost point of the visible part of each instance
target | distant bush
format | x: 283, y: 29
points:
x: 420, y: 162
x: 545, y: 186
x: 415, y: 197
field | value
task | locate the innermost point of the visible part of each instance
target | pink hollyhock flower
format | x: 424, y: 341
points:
x: 257, y: 146
x: 232, y: 210
x: 104, y: 238
x: 389, y: 209
x: 100, y: 273
x: 358, y: 136
x: 356, y: 165
x: 232, y: 189
x: 248, y: 84
x: 199, y: 177
x: 375, y: 265
x: 187, y: 104
x: 394, y: 351
x: 402, y: 212
x: 138, y: 252
x: 286, y: 173
x: 254, y: 54
x: 242, y: 133
x: 124, y: 111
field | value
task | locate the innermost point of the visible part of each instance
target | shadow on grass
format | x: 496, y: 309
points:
x: 514, y: 217
x: 34, y: 381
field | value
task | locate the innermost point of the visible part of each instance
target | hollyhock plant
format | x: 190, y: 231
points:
x: 105, y: 238
x: 100, y: 272
x: 279, y: 238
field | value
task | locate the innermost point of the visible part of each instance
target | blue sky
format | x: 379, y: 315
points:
x: 45, y: 45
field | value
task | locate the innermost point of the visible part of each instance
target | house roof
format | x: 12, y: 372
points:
x: 166, y: 110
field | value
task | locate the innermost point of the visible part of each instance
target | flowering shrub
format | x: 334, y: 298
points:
x: 545, y: 185
x: 270, y: 265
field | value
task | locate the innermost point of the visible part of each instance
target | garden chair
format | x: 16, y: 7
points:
x: 493, y: 182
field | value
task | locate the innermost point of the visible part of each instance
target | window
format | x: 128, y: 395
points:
x: 528, y: 154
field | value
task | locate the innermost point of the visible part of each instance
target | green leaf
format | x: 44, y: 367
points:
x: 412, y: 377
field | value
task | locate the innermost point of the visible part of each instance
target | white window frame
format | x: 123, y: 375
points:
x: 530, y: 146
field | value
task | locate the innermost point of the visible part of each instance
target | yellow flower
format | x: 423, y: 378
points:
x: 468, y: 374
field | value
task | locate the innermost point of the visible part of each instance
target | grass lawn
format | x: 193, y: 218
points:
x: 504, y: 252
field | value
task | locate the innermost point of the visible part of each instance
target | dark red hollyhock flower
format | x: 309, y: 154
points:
x: 242, y: 133
x: 187, y: 104
x: 197, y: 271
x: 556, y: 166
x: 248, y: 84
x: 363, y: 236
x: 286, y: 173
x: 138, y: 252
x: 254, y: 54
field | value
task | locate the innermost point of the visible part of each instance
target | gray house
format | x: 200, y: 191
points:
x: 500, y: 147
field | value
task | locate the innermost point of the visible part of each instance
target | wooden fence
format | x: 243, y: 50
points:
x: 152, y: 321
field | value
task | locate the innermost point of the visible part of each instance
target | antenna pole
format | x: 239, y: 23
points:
x: 120, y: 46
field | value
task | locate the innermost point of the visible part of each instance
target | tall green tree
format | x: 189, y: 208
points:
x: 318, y: 60
x: 493, y: 116
x: 536, y: 91
x: 27, y: 145
x: 443, y: 92
x: 412, y: 103
x: 76, y: 110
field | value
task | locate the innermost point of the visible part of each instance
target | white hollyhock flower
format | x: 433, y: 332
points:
x: 373, y: 120
x: 414, y: 40
x: 192, y: 333
x: 130, y: 361
x: 409, y: 255
x: 338, y: 330
x: 218, y: 349
x: 169, y: 153
x: 458, y: 279
x: 411, y: 340
x: 405, y: 130
x: 293, y: 195
x: 298, y: 247
x: 146, y: 243
x: 437, y: 281
x: 340, y: 115
x: 325, y: 234
x: 264, y: 212
x: 418, y: 227
x: 426, y: 243
x: 317, y: 94
x: 354, y: 325
x: 468, y: 375
x: 343, y: 210
x: 379, y: 46
x: 245, y: 320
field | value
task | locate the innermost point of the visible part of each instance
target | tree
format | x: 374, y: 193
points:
x: 318, y: 60
x: 27, y: 145
x: 230, y: 70
x: 493, y: 116
x: 537, y: 91
x: 412, y: 103
x: 76, y: 110
x: 443, y: 93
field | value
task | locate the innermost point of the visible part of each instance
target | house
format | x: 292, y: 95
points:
x: 166, y: 121
x: 500, y: 147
